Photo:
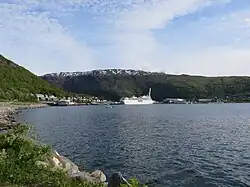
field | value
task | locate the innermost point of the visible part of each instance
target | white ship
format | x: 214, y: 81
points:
x: 143, y: 100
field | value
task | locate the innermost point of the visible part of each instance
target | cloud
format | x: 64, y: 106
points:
x: 174, y: 36
x: 33, y: 37
x: 156, y: 14
x: 212, y: 62
x: 136, y: 42
x: 198, y: 45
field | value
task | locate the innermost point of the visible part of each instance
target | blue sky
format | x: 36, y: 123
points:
x: 202, y: 37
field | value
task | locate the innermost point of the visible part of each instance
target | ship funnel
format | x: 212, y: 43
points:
x: 149, y: 93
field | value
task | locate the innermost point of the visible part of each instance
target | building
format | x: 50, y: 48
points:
x: 43, y: 97
x: 52, y: 98
x: 40, y: 97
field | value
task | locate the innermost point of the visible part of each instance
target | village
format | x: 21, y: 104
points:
x: 77, y: 100
x: 91, y: 100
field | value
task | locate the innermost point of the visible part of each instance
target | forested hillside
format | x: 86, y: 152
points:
x: 18, y: 83
x: 115, y: 83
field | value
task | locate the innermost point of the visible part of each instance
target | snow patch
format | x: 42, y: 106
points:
x: 105, y: 72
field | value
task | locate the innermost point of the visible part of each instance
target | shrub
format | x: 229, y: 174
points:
x: 133, y: 183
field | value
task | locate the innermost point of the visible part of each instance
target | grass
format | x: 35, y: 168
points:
x: 133, y: 183
x: 18, y: 157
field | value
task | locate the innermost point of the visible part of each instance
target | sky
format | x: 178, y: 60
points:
x: 197, y: 37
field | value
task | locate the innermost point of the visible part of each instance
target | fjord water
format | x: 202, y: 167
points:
x: 162, y: 145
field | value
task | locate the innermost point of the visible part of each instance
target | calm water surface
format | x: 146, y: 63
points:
x: 162, y: 145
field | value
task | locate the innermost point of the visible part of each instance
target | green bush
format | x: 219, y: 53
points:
x: 133, y: 183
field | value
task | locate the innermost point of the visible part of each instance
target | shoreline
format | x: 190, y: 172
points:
x: 9, y: 110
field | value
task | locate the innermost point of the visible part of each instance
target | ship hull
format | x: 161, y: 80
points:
x: 143, y: 100
x: 136, y: 102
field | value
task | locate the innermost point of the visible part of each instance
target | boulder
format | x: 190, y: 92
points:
x: 85, y: 177
x: 99, y: 175
x: 56, y: 162
x: 63, y: 163
x: 68, y: 166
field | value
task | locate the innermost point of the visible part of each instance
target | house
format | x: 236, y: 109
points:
x: 40, y: 97
x: 44, y: 97
x: 52, y: 98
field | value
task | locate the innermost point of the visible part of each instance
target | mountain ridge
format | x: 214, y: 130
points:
x: 119, y: 71
x: 102, y: 72
x: 5, y: 61
x: 117, y: 83
x: 16, y: 82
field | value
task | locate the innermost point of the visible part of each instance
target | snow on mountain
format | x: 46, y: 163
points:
x: 122, y: 72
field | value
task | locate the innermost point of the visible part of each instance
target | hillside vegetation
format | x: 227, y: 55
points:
x: 113, y: 86
x: 17, y: 83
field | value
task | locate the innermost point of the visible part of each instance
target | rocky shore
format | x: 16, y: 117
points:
x: 8, y: 111
x: 56, y: 161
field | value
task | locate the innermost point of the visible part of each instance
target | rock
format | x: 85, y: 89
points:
x: 56, y: 162
x: 56, y: 153
x: 8, y: 116
x: 85, y: 177
x: 116, y: 180
x: 70, y: 167
x: 99, y: 175
x: 63, y: 163
x: 13, y: 121
x: 42, y: 164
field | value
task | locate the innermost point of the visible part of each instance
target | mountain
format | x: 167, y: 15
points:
x: 17, y: 82
x: 106, y: 72
x: 116, y: 83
